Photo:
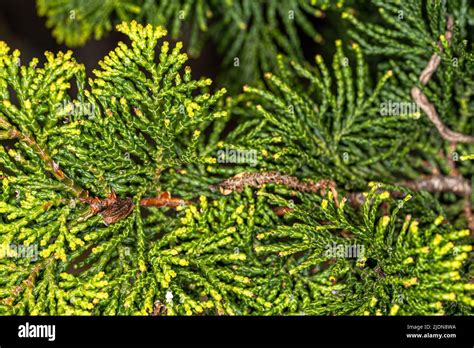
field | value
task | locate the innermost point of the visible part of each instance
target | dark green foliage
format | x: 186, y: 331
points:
x: 110, y: 185
x: 74, y: 22
x: 409, y: 36
x: 302, y: 125
x: 249, y: 34
x: 252, y: 33
x: 380, y: 260
x: 406, y: 35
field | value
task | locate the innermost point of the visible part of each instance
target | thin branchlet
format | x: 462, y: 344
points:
x: 423, y: 102
x: 50, y: 165
x: 439, y: 183
x: 114, y: 209
x: 258, y: 179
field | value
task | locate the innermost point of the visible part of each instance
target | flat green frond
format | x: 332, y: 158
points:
x: 316, y: 117
x: 395, y: 260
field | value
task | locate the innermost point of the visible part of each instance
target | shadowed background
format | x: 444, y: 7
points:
x: 22, y: 28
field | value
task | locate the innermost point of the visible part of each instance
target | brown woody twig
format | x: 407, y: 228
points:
x: 456, y: 184
x: 114, y: 208
x: 51, y: 166
x: 423, y: 102
x: 258, y: 179
x: 439, y: 183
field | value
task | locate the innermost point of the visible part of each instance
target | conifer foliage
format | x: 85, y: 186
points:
x: 249, y: 34
x: 140, y: 189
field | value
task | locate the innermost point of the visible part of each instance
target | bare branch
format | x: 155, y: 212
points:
x: 163, y: 200
x: 438, y: 183
x: 258, y: 179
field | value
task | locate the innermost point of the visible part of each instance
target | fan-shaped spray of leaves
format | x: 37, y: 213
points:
x: 249, y: 34
x: 309, y: 118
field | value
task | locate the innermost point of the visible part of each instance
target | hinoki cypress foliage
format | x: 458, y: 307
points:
x: 338, y: 186
x: 248, y: 33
